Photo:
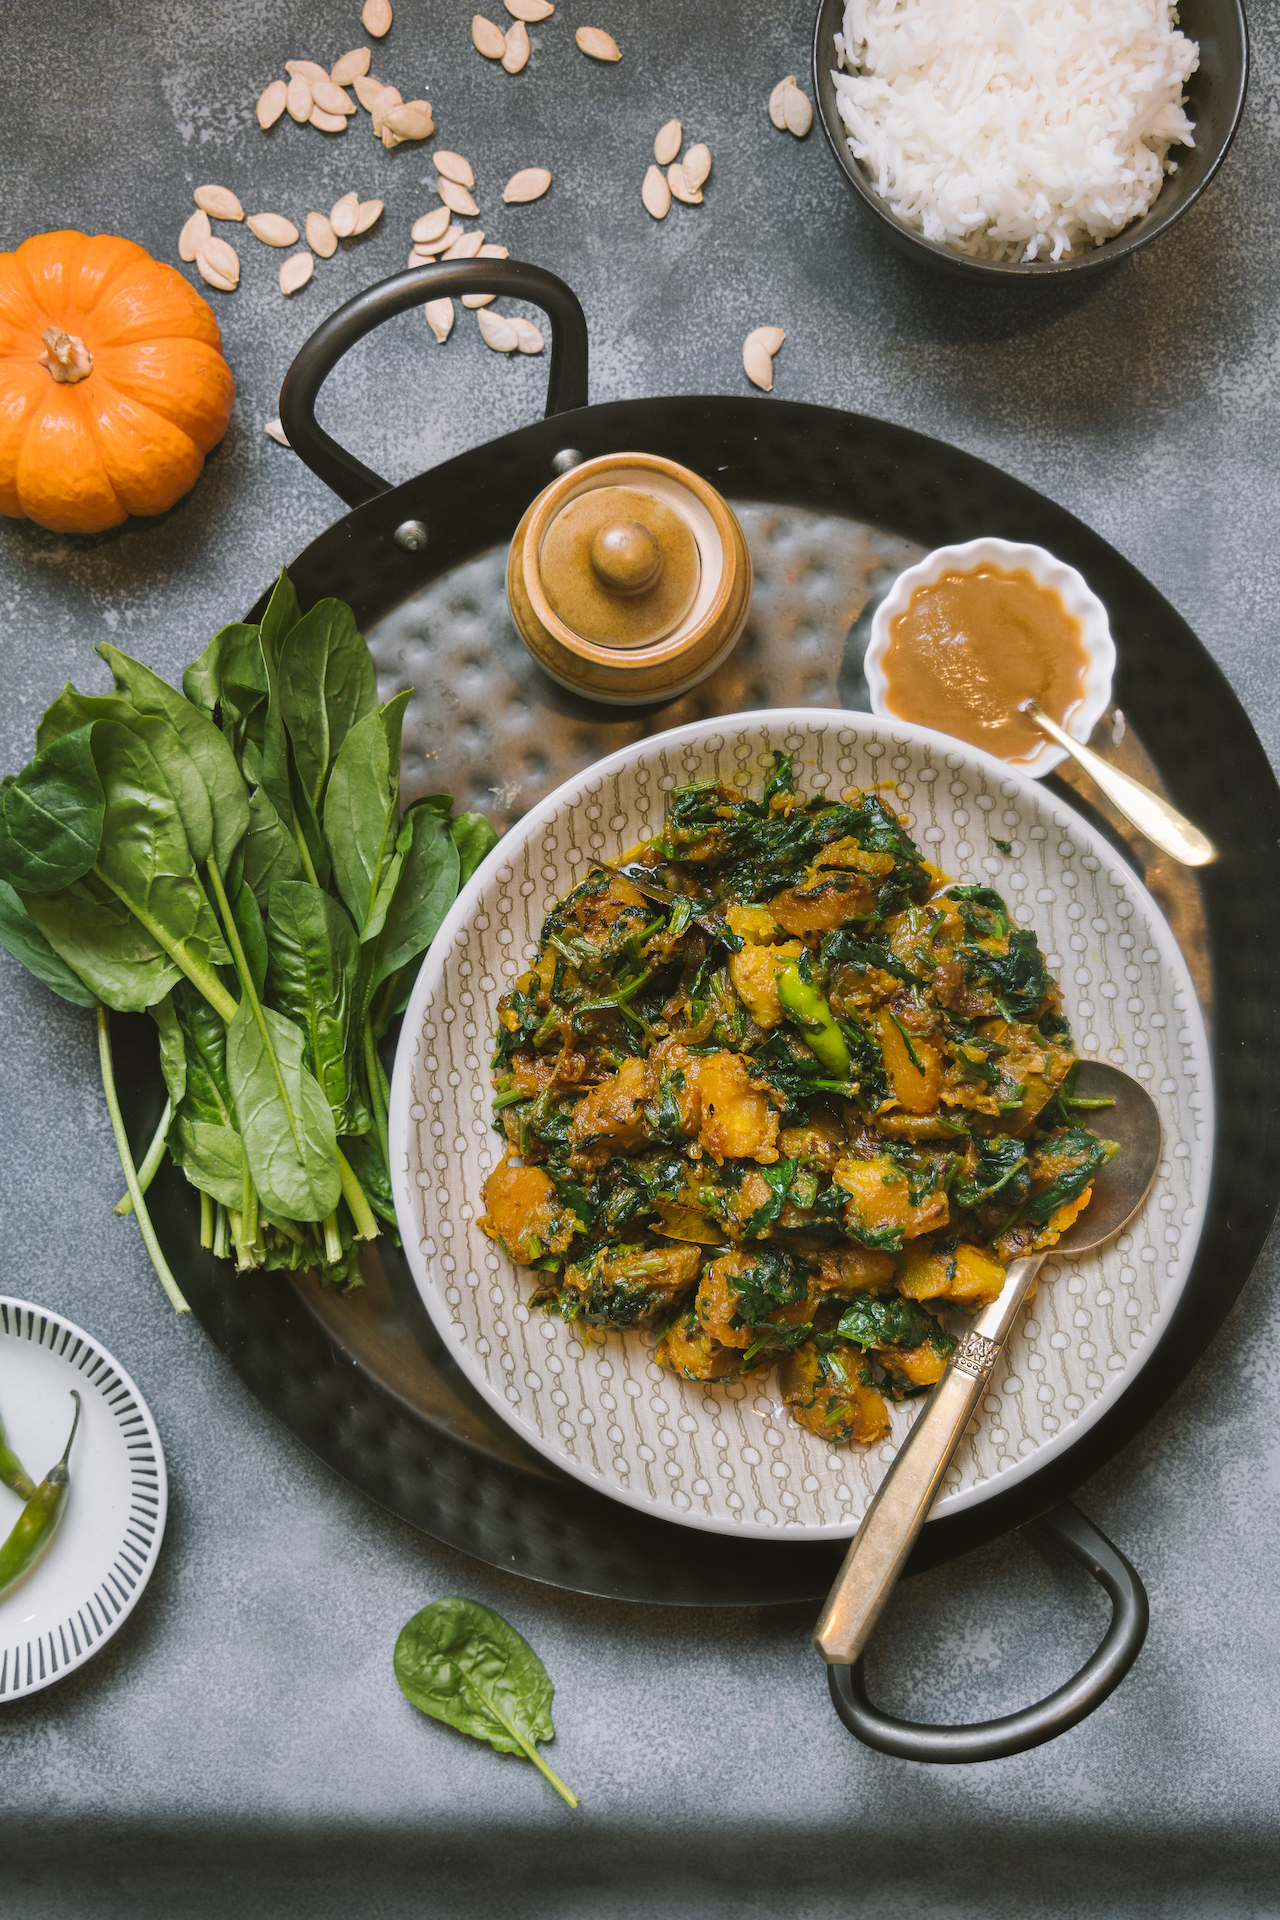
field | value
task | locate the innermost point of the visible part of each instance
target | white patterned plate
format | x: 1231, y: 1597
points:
x: 729, y: 1459
x: 93, y: 1575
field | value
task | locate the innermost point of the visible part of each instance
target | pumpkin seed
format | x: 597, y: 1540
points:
x: 352, y: 66
x: 194, y: 234
x: 490, y: 252
x: 367, y: 89
x: 666, y: 142
x: 434, y: 249
x: 295, y: 272
x: 478, y: 299
x: 271, y: 103
x: 219, y: 203
x: 529, y: 10
x: 697, y: 165
x: 430, y: 226
x: 376, y: 17
x: 466, y: 247
x: 528, y: 339
x: 309, y: 69
x: 679, y: 185
x: 515, y: 48
x: 298, y: 99
x: 321, y: 237
x: 529, y: 184
x: 387, y: 98
x: 343, y: 215
x: 219, y: 265
x: 370, y: 211
x: 457, y: 198
x: 487, y: 39
x: 797, y: 112
x: 656, y: 194
x: 440, y: 318
x: 758, y: 350
x: 332, y: 99
x: 327, y: 122
x: 412, y: 121
x: 453, y: 167
x: 597, y: 44
x: 272, y: 229
x: 777, y: 112
x: 497, y: 331
x: 276, y: 432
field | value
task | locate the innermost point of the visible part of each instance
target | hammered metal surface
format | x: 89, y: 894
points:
x: 730, y: 1458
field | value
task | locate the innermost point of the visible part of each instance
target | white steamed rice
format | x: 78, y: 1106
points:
x: 1015, y: 133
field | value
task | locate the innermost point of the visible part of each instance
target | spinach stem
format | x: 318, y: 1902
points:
x: 304, y: 852
x: 202, y: 978
x: 332, y: 1239
x: 388, y: 995
x: 150, y: 1166
x: 526, y: 1747
x: 377, y: 1086
x: 221, y: 1237
x: 206, y: 1219
x: 158, y: 1260
x: 353, y: 1193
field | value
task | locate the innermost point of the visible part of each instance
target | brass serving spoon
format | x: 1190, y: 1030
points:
x: 1170, y: 830
x: 883, y: 1542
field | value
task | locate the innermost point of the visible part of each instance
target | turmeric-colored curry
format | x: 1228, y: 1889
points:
x: 778, y: 1092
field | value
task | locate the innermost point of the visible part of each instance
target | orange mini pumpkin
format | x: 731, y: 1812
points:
x: 112, y: 382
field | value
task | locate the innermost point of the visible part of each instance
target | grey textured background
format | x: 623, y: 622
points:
x: 241, y: 1747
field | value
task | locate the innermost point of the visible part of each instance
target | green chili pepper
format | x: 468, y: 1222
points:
x: 39, y: 1520
x: 12, y: 1471
x: 813, y: 1016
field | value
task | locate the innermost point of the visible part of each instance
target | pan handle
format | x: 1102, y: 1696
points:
x: 1018, y: 1732
x: 349, y: 477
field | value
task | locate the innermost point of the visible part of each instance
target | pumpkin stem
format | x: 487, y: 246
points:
x: 66, y: 356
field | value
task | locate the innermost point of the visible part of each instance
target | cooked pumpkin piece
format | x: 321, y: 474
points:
x: 523, y: 1214
x: 826, y: 1392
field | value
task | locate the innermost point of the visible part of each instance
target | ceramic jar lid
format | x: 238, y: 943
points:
x: 629, y: 579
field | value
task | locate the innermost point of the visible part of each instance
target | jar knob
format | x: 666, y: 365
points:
x: 625, y: 557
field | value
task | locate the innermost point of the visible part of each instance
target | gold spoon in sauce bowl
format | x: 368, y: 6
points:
x: 882, y: 1545
x: 1170, y: 830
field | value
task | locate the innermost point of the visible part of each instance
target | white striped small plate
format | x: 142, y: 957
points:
x: 94, y: 1574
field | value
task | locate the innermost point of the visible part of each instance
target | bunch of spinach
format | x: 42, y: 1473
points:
x: 233, y: 860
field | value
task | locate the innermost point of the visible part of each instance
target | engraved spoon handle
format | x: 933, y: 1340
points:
x: 1169, y: 829
x: 880, y: 1548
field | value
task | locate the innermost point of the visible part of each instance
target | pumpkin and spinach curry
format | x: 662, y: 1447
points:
x: 777, y: 1092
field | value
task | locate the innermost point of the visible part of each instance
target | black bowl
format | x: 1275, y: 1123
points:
x: 1215, y: 97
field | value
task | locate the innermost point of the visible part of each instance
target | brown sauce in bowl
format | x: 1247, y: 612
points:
x: 971, y: 647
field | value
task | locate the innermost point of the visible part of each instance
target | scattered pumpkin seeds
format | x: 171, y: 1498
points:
x: 697, y: 165
x: 343, y: 215
x: 440, y: 318
x: 777, y: 110
x: 457, y: 198
x: 529, y: 184
x: 679, y: 185
x: 412, y: 121
x: 666, y: 142
x: 298, y: 99
x: 529, y: 10
x: 332, y: 99
x: 478, y: 299
x: 387, y: 97
x: 515, y: 48
x: 309, y: 69
x: 597, y: 44
x: 352, y: 66
x: 454, y: 167
x: 758, y: 350
x: 272, y: 229
x: 376, y: 17
x: 369, y: 212
x: 321, y: 237
x: 528, y: 339
x: 467, y: 246
x: 295, y: 272
x: 367, y: 90
x: 327, y: 122
x: 219, y: 203
x: 275, y: 431
x: 194, y: 234
x: 797, y: 112
x: 487, y: 39
x: 218, y: 265
x: 449, y: 238
x: 656, y: 194
x: 491, y: 252
x: 271, y: 104
x: 430, y: 226
x: 497, y: 331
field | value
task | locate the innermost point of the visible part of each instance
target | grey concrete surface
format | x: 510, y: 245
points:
x: 241, y: 1748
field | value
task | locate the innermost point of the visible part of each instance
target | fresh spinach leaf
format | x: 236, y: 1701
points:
x: 20, y: 935
x: 173, y: 1053
x: 284, y: 1119
x: 270, y: 850
x: 253, y: 934
x: 51, y: 817
x: 314, y: 979
x: 361, y: 816
x: 474, y: 837
x: 96, y: 935
x: 282, y: 615
x: 228, y: 683
x: 464, y: 1664
x: 179, y: 771
x: 425, y: 890
x: 327, y: 684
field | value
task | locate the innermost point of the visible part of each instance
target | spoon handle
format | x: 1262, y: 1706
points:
x: 880, y: 1548
x: 1170, y: 830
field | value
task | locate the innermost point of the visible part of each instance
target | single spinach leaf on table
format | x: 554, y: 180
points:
x: 314, y: 978
x: 464, y: 1664
x: 51, y: 817
x: 284, y: 1118
x: 20, y: 935
x: 327, y: 684
x: 362, y: 817
x: 96, y: 935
